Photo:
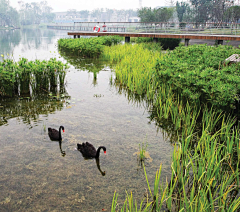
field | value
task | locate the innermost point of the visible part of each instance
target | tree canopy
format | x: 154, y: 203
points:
x: 8, y: 15
x: 162, y: 14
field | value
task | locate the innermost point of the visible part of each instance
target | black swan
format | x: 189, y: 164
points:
x: 54, y: 134
x: 89, y: 151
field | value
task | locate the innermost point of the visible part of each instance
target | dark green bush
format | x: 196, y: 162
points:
x: 198, y: 72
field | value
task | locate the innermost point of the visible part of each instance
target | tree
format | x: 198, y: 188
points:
x: 210, y: 10
x: 181, y: 10
x: 84, y: 14
x: 163, y: 14
x: 34, y: 13
x: 232, y: 14
x: 8, y: 15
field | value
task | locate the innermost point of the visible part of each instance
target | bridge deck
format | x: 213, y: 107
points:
x: 160, y: 35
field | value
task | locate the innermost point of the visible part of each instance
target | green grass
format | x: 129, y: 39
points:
x: 205, y: 161
x: 142, y: 151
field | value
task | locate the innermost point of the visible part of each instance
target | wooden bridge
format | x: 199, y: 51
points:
x: 155, y: 36
x: 208, y: 31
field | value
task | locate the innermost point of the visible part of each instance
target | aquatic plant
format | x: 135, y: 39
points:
x: 205, y: 164
x: 203, y: 178
x: 142, y: 151
x: 199, y: 74
x: 17, y: 77
x: 87, y: 47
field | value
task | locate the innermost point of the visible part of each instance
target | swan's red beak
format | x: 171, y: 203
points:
x: 105, y: 152
x: 63, y: 130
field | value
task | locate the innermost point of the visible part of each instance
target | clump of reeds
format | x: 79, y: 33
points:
x: 18, y: 77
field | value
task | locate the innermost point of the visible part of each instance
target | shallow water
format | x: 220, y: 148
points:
x: 36, y: 176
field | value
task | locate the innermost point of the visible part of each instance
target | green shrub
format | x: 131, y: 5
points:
x: 198, y: 73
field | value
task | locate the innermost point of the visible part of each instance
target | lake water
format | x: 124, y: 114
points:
x: 35, y: 173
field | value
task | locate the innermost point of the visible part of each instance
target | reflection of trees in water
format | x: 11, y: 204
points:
x: 8, y: 40
x: 33, y: 38
x: 28, y: 109
x: 86, y: 64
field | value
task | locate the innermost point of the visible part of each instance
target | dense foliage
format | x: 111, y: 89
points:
x: 162, y: 14
x: 34, y: 13
x: 24, y: 73
x: 8, y: 15
x: 201, y: 73
x: 201, y: 11
x: 87, y: 47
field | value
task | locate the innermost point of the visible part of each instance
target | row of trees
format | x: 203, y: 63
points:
x: 34, y: 13
x: 197, y: 11
x: 29, y: 13
x: 155, y: 15
x: 202, y: 11
x: 8, y: 15
x: 102, y: 14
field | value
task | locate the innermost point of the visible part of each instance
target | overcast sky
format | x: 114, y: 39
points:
x: 64, y: 5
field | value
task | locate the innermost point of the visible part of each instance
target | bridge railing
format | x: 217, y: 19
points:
x: 153, y: 27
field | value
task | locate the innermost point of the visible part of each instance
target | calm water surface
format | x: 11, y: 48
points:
x: 35, y: 173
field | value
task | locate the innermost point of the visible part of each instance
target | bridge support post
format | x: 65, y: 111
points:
x: 220, y: 42
x: 187, y: 41
x: 127, y: 39
x: 155, y: 40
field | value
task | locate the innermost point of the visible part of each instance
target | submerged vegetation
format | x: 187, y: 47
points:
x: 24, y: 76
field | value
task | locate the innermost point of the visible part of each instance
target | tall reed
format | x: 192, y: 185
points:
x: 25, y: 74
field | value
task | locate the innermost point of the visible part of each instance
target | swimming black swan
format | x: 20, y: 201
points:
x: 55, y: 135
x: 89, y: 151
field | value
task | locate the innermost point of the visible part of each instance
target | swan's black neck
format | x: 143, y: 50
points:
x: 98, y: 151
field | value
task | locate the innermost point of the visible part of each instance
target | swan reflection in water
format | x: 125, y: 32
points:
x: 55, y: 135
x: 89, y: 152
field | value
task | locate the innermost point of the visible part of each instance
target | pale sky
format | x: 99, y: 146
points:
x: 64, y: 5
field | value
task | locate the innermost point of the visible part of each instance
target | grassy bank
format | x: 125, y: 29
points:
x: 205, y: 162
